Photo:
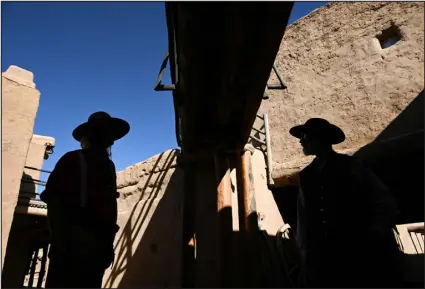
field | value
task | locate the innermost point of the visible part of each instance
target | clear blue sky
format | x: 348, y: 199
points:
x: 91, y: 56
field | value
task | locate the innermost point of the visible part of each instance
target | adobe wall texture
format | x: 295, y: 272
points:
x: 20, y: 102
x: 148, y: 246
x: 334, y: 68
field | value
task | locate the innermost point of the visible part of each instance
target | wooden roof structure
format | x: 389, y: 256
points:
x: 221, y: 56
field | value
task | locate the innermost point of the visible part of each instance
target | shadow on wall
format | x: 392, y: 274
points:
x: 399, y: 163
x: 27, y: 234
x: 396, y: 156
x: 286, y: 200
x: 27, y: 190
x: 156, y: 258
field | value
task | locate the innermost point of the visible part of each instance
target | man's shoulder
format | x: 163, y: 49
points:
x: 69, y: 157
x: 355, y: 165
x: 338, y: 160
x: 74, y: 152
x: 308, y: 168
x: 345, y: 157
x: 71, y: 154
x: 349, y: 159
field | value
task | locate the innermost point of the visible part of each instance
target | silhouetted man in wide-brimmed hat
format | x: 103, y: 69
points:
x: 345, y: 216
x: 81, y: 202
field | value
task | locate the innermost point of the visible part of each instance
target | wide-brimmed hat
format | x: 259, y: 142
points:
x: 320, y: 128
x: 102, y: 122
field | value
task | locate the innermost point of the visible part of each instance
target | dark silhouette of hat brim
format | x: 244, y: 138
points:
x: 331, y: 133
x: 116, y: 128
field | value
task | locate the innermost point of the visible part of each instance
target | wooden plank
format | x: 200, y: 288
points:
x: 406, y: 241
x: 258, y: 140
x: 419, y: 236
x: 258, y: 130
x: 30, y: 211
x: 415, y: 242
x: 415, y: 226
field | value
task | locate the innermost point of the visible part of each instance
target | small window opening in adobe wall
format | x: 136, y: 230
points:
x: 389, y: 37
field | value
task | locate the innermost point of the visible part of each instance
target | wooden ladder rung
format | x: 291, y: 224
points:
x: 258, y: 140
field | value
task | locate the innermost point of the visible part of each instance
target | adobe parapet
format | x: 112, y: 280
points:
x: 20, y: 76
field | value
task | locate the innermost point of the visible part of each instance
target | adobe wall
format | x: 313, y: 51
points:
x: 148, y: 245
x: 333, y: 66
x: 20, y: 100
x: 265, y: 202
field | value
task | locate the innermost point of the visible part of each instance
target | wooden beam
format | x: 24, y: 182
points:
x: 224, y: 210
x: 225, y: 52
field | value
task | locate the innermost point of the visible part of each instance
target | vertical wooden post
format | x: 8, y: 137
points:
x: 189, y: 209
x: 224, y: 209
x: 208, y: 185
x: 248, y: 194
x: 250, y: 258
x: 206, y: 193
